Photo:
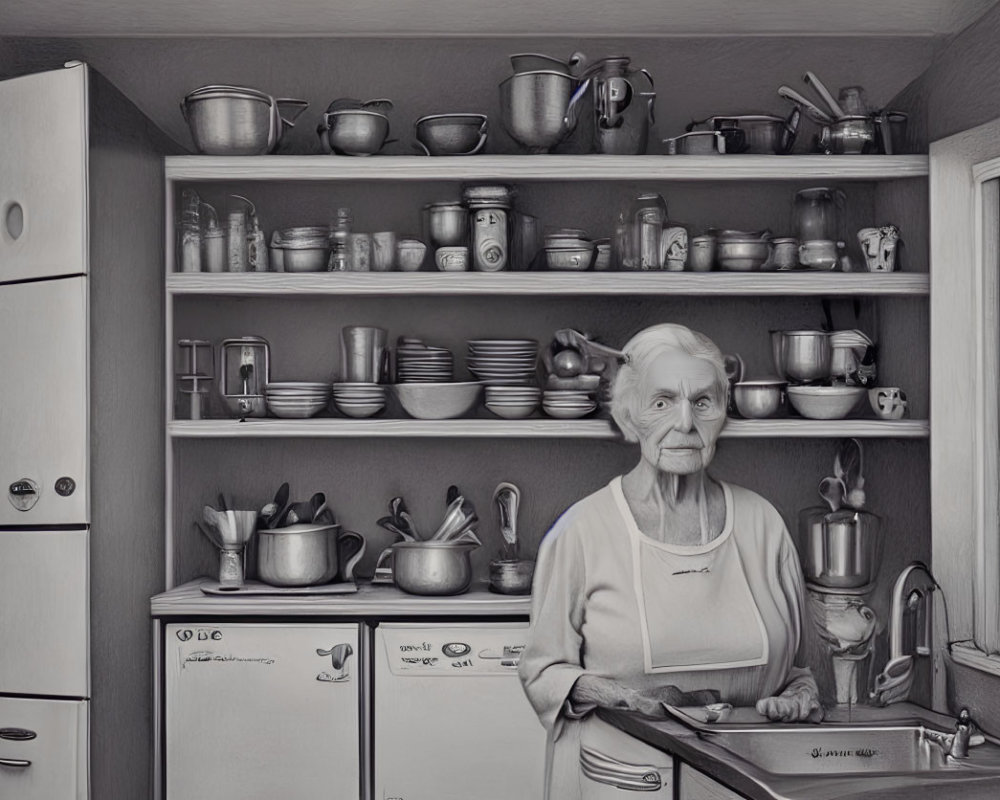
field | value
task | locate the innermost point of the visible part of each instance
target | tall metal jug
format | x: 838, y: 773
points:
x: 623, y: 106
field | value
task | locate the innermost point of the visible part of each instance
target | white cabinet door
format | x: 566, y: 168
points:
x: 43, y: 749
x: 43, y: 175
x: 697, y: 785
x: 44, y: 613
x: 44, y: 403
x: 253, y: 711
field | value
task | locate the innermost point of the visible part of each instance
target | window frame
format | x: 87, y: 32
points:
x: 965, y: 389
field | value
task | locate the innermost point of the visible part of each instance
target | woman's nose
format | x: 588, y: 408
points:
x: 686, y: 419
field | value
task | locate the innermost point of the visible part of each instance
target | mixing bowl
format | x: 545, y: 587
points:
x: 353, y: 132
x: 451, y: 134
x: 825, y: 402
x: 437, y: 400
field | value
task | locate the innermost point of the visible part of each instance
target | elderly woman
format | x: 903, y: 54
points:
x: 663, y: 582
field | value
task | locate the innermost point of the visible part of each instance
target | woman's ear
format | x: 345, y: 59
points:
x: 626, y: 424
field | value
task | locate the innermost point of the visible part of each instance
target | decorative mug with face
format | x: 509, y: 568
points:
x: 879, y: 246
x: 888, y: 402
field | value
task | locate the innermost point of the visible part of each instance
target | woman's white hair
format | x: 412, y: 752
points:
x: 641, y: 350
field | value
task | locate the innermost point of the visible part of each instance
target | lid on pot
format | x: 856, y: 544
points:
x: 301, y: 527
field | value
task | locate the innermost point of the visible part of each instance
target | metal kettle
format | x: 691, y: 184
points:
x: 623, y: 106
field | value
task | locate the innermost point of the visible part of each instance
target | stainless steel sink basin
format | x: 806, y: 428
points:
x: 839, y: 749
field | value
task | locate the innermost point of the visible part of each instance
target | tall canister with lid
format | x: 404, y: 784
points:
x: 489, y: 222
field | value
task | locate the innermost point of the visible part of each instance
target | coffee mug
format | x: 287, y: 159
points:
x: 888, y: 402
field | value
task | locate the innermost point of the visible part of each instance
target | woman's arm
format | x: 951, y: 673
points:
x: 798, y: 701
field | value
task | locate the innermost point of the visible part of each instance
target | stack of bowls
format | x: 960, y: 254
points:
x: 569, y: 249
x: 503, y: 361
x: 513, y: 402
x: 359, y: 400
x: 417, y: 362
x: 568, y: 403
x: 296, y: 399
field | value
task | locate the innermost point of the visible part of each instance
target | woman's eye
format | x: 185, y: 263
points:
x: 660, y: 404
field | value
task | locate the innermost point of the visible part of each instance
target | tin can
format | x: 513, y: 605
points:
x: 361, y: 252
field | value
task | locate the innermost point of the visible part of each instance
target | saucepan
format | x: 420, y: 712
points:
x: 430, y: 567
x: 238, y: 121
x: 307, y: 554
x: 753, y: 133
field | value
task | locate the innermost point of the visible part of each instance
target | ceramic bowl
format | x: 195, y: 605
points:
x: 512, y: 410
x: 570, y: 258
x: 825, y: 402
x: 451, y: 134
x: 437, y: 400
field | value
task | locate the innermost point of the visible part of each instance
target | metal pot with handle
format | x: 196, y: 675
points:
x: 236, y: 120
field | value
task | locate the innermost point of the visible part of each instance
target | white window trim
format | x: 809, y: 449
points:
x: 965, y: 371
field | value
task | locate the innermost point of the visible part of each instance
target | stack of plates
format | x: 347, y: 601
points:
x: 512, y: 402
x: 503, y: 361
x: 296, y: 399
x: 417, y: 362
x: 359, y: 399
x: 567, y: 403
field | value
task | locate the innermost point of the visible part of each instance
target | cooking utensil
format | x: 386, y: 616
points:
x: 759, y: 399
x: 460, y: 512
x: 848, y: 467
x: 841, y: 549
x: 508, y: 499
x: 815, y: 112
x: 820, y: 87
x: 832, y: 491
x: 355, y: 131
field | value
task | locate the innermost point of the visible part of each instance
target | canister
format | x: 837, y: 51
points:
x: 786, y: 253
x: 361, y: 252
x: 236, y: 241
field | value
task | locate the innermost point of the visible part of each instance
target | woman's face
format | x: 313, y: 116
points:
x: 679, y: 411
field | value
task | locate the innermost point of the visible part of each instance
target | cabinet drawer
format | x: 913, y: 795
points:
x: 697, y: 785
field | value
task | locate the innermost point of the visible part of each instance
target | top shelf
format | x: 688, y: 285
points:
x: 544, y: 168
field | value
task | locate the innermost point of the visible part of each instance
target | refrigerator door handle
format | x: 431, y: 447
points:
x: 14, y: 762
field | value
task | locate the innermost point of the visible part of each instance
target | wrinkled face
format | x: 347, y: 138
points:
x: 679, y: 412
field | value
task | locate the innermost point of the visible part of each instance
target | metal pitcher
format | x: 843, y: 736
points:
x: 623, y: 106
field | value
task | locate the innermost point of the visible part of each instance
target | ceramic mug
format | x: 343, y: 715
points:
x: 383, y: 251
x: 888, y: 402
x: 452, y: 259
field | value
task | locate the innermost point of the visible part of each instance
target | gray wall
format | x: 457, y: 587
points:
x: 694, y: 78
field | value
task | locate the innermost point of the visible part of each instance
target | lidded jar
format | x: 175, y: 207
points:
x: 818, y: 214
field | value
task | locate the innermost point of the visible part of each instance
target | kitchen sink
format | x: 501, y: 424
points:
x: 868, y: 749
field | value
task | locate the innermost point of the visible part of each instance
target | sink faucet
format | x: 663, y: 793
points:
x: 892, y: 685
x: 954, y: 744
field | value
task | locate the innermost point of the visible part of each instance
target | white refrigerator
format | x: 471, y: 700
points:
x: 75, y: 239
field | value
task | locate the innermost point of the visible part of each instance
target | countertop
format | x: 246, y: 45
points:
x: 370, y: 600
x: 741, y: 776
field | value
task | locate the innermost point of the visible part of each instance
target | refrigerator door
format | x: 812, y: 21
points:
x: 265, y: 710
x: 44, y: 613
x: 43, y: 175
x: 43, y: 749
x: 44, y: 403
x: 451, y: 719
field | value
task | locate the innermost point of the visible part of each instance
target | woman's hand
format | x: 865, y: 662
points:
x: 798, y: 706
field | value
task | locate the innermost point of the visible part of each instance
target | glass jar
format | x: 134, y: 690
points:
x: 818, y: 214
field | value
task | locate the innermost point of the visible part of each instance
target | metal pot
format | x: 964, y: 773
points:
x: 430, y: 568
x: 539, y: 109
x: 447, y: 224
x: 353, y: 132
x: 840, y: 549
x: 237, y: 121
x: 754, y: 133
x: 451, y: 134
x: 848, y: 136
x: 801, y: 356
x: 306, y: 555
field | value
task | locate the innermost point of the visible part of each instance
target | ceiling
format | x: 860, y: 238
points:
x: 486, y: 17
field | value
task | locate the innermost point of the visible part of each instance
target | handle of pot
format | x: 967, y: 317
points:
x: 572, y: 114
x: 482, y: 139
x: 789, y: 131
x: 421, y: 147
x: 324, y: 140
x: 298, y: 106
x: 350, y: 549
x: 384, y: 559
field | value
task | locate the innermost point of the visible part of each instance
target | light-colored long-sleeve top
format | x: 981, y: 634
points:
x: 609, y: 601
